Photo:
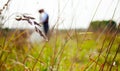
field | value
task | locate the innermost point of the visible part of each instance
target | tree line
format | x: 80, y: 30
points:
x: 105, y: 25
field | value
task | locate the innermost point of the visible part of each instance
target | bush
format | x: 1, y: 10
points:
x: 96, y: 26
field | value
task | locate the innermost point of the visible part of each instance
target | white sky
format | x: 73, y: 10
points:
x: 73, y: 13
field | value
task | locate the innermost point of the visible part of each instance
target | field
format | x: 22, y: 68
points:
x: 65, y: 51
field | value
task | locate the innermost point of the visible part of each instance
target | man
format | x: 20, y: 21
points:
x: 44, y: 19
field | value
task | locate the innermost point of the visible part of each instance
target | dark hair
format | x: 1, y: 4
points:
x: 41, y: 10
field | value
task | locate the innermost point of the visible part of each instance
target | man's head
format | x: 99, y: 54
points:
x: 41, y: 10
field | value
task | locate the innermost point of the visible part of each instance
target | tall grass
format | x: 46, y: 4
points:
x: 65, y: 51
x: 60, y: 53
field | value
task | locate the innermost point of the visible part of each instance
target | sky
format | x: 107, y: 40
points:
x: 71, y: 13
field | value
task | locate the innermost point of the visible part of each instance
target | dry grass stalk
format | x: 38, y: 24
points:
x: 34, y: 23
x: 110, y: 69
x: 37, y: 59
x: 5, y: 6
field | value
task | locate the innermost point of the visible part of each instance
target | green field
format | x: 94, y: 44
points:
x: 65, y: 51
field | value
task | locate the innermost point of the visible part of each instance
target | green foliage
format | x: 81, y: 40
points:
x: 60, y: 53
x: 109, y: 25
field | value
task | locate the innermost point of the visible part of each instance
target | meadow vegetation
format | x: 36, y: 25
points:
x: 65, y: 51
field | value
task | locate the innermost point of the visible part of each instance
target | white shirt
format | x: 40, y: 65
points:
x: 43, y: 17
